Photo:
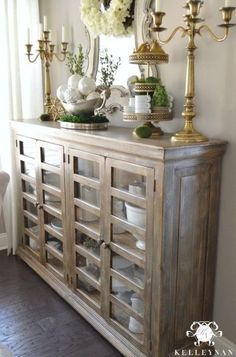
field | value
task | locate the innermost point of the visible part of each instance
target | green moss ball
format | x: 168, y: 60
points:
x: 45, y: 117
x: 143, y: 131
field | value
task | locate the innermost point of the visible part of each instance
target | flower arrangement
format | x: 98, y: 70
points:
x: 108, y: 17
x: 75, y: 62
x: 109, y: 67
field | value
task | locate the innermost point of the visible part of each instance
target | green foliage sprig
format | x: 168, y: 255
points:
x: 109, y: 67
x: 75, y: 62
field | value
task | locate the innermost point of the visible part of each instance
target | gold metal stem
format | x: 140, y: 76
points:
x: 189, y: 134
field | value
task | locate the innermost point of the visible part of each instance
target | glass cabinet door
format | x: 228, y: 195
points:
x: 51, y: 187
x: 29, y: 202
x: 86, y: 181
x: 130, y: 190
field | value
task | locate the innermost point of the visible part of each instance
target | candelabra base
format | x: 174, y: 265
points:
x: 186, y: 136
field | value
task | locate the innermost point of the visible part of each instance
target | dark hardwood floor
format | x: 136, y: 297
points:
x: 36, y: 322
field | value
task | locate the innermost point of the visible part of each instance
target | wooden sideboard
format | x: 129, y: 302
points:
x: 124, y: 229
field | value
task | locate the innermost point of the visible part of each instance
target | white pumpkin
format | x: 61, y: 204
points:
x: 93, y: 95
x: 73, y: 81
x: 71, y: 95
x: 87, y: 85
x: 60, y: 92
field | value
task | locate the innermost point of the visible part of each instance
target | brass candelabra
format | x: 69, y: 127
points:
x: 46, y: 52
x: 193, y: 8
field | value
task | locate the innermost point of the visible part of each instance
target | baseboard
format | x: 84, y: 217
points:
x: 3, y: 241
x: 223, y: 344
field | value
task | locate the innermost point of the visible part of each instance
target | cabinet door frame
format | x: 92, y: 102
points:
x: 98, y: 185
x: 60, y: 193
x: 22, y: 195
x: 147, y: 203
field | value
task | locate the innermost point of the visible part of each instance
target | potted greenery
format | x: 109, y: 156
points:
x: 160, y: 99
x: 84, y: 122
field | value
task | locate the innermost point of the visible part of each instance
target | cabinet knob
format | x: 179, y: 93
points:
x: 105, y: 245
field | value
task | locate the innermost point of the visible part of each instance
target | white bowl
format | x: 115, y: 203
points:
x: 136, y: 215
x: 82, y: 107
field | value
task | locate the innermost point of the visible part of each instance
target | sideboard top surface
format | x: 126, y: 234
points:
x: 117, y: 138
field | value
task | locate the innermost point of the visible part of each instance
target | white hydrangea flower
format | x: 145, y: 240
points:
x: 110, y: 22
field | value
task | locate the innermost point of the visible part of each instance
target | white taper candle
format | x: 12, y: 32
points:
x: 45, y: 23
x: 63, y: 34
x: 159, y: 6
x: 28, y: 35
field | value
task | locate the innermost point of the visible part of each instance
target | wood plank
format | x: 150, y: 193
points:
x: 54, y: 211
x: 130, y: 254
x: 48, y: 167
x: 135, y: 230
x: 27, y: 178
x: 55, y: 233
x: 87, y: 181
x: 127, y: 282
x: 126, y: 196
x: 87, y: 206
x: 53, y: 251
x: 31, y: 217
x: 82, y: 274
x: 51, y: 189
x: 90, y: 229
x: 127, y: 309
x: 87, y: 254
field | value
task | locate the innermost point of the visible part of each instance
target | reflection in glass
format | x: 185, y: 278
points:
x: 119, y: 47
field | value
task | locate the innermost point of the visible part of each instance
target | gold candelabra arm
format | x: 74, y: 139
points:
x: 29, y: 54
x: 175, y: 31
x: 212, y: 34
x: 157, y: 27
x: 64, y: 52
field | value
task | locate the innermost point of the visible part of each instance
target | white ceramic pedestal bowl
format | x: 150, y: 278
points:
x: 83, y: 107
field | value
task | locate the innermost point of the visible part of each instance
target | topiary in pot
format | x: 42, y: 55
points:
x: 160, y: 97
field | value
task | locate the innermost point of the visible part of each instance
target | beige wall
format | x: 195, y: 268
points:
x: 216, y: 107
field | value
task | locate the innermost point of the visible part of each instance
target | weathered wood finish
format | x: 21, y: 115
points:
x: 182, y: 201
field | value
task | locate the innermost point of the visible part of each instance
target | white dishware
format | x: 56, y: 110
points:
x: 33, y: 244
x: 143, y: 106
x: 145, y: 98
x: 93, y: 95
x: 83, y: 106
x: 54, y: 244
x: 128, y: 109
x: 136, y: 215
x: 57, y: 224
x: 137, y: 188
x: 118, y: 210
x: 138, y: 305
x: 143, y: 110
x: 140, y: 244
x: 88, y: 195
x: 132, y: 101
